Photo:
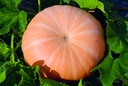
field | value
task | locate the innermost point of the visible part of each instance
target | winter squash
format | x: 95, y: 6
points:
x: 66, y: 42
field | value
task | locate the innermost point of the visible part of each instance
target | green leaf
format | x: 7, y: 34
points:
x: 29, y: 76
x: 2, y: 72
x: 2, y: 76
x: 11, y: 78
x: 50, y: 82
x: 4, y: 51
x: 18, y: 75
x: 111, y: 68
x: 65, y: 1
x: 90, y: 4
x: 117, y: 35
x: 12, y: 4
x: 5, y: 68
x: 11, y: 17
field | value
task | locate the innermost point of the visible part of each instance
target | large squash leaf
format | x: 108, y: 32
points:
x: 117, y: 35
x: 4, y: 51
x: 90, y: 4
x: 16, y: 74
x: 11, y: 17
x: 115, y: 65
x: 111, y: 69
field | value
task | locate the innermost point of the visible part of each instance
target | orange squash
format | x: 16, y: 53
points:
x: 66, y: 42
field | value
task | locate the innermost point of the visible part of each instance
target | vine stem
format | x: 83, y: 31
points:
x: 39, y: 5
x: 12, y: 49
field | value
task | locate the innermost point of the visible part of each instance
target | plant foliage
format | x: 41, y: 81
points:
x: 14, y: 71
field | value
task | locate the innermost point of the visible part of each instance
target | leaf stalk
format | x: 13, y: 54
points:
x: 12, y: 58
x: 39, y: 5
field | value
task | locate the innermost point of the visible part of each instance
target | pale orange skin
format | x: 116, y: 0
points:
x: 65, y: 41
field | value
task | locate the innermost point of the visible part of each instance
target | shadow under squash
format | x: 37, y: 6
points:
x: 46, y: 71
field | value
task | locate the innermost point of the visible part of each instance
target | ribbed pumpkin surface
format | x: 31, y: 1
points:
x: 65, y: 41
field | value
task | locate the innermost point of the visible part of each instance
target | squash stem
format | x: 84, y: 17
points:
x: 66, y: 38
x: 12, y: 58
x: 39, y: 5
